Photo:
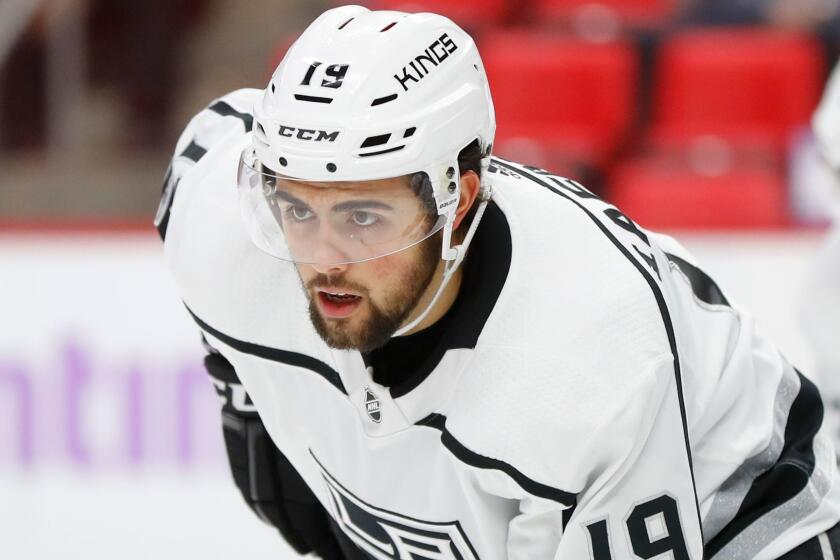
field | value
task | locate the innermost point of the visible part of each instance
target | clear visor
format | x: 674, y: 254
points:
x: 336, y: 222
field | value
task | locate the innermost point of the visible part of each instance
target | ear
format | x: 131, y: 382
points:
x: 470, y: 186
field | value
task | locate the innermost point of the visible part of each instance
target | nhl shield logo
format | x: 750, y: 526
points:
x: 372, y: 406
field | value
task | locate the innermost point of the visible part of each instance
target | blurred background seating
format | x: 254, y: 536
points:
x: 674, y: 196
x: 578, y: 14
x: 561, y: 103
x: 746, y: 86
x: 712, y: 93
x: 473, y: 15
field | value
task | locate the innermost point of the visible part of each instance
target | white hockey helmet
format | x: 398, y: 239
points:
x: 362, y: 96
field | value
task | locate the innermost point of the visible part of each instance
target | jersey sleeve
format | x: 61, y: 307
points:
x: 638, y: 499
x: 267, y: 481
x: 230, y: 114
x: 269, y: 484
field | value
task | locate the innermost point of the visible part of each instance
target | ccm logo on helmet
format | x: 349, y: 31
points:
x: 434, y: 54
x: 309, y: 134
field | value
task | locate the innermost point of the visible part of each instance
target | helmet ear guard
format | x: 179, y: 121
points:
x: 449, y: 208
x: 453, y: 256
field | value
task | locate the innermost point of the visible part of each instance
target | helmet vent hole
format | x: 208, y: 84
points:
x: 331, y: 167
x: 272, y: 87
x: 372, y: 141
x: 343, y: 25
x: 387, y: 27
x: 409, y: 132
x: 283, y: 162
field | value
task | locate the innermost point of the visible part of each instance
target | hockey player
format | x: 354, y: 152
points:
x: 426, y: 352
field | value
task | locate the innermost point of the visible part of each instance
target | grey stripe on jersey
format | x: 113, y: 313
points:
x: 764, y: 530
x: 825, y: 547
x: 732, y: 492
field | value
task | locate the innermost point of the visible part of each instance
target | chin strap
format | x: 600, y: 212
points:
x: 454, y: 258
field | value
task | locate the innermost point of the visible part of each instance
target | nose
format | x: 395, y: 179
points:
x: 329, y: 269
x: 328, y: 257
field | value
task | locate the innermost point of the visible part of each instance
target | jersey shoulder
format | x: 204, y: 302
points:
x: 584, y: 284
x: 576, y: 340
x: 233, y: 110
x: 221, y: 276
x: 224, y: 117
x: 559, y: 423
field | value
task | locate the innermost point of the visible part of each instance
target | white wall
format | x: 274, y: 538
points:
x: 110, y: 441
x: 109, y: 433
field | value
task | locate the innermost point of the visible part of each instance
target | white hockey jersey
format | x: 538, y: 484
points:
x: 601, y: 399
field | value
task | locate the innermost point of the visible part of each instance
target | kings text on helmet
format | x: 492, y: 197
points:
x: 422, y: 64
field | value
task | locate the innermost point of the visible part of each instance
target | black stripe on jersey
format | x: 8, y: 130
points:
x: 792, y: 471
x: 702, y: 284
x: 193, y: 152
x: 438, y: 422
x: 660, y: 301
x: 165, y: 205
x: 226, y: 110
x: 275, y: 354
x: 834, y: 539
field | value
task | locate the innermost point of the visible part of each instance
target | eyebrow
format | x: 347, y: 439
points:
x: 357, y: 204
x: 345, y: 206
x: 289, y: 198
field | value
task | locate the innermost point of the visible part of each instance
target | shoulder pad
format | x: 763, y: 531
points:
x: 230, y: 112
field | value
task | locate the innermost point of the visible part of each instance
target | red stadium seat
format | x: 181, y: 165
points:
x: 663, y: 196
x: 470, y: 14
x: 743, y: 85
x: 630, y: 12
x: 560, y: 95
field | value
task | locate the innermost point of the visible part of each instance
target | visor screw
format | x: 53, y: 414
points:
x: 452, y: 188
x: 283, y: 162
x: 450, y: 172
x: 331, y: 167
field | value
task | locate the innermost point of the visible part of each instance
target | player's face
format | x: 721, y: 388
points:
x: 348, y: 222
x: 360, y: 305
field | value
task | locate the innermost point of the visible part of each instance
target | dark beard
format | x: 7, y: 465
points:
x: 385, y: 319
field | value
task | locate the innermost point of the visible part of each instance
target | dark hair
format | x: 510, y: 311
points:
x: 469, y: 159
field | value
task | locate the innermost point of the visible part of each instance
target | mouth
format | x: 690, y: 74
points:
x: 336, y: 303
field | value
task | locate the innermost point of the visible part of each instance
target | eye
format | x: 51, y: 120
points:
x: 364, y: 219
x: 299, y: 213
